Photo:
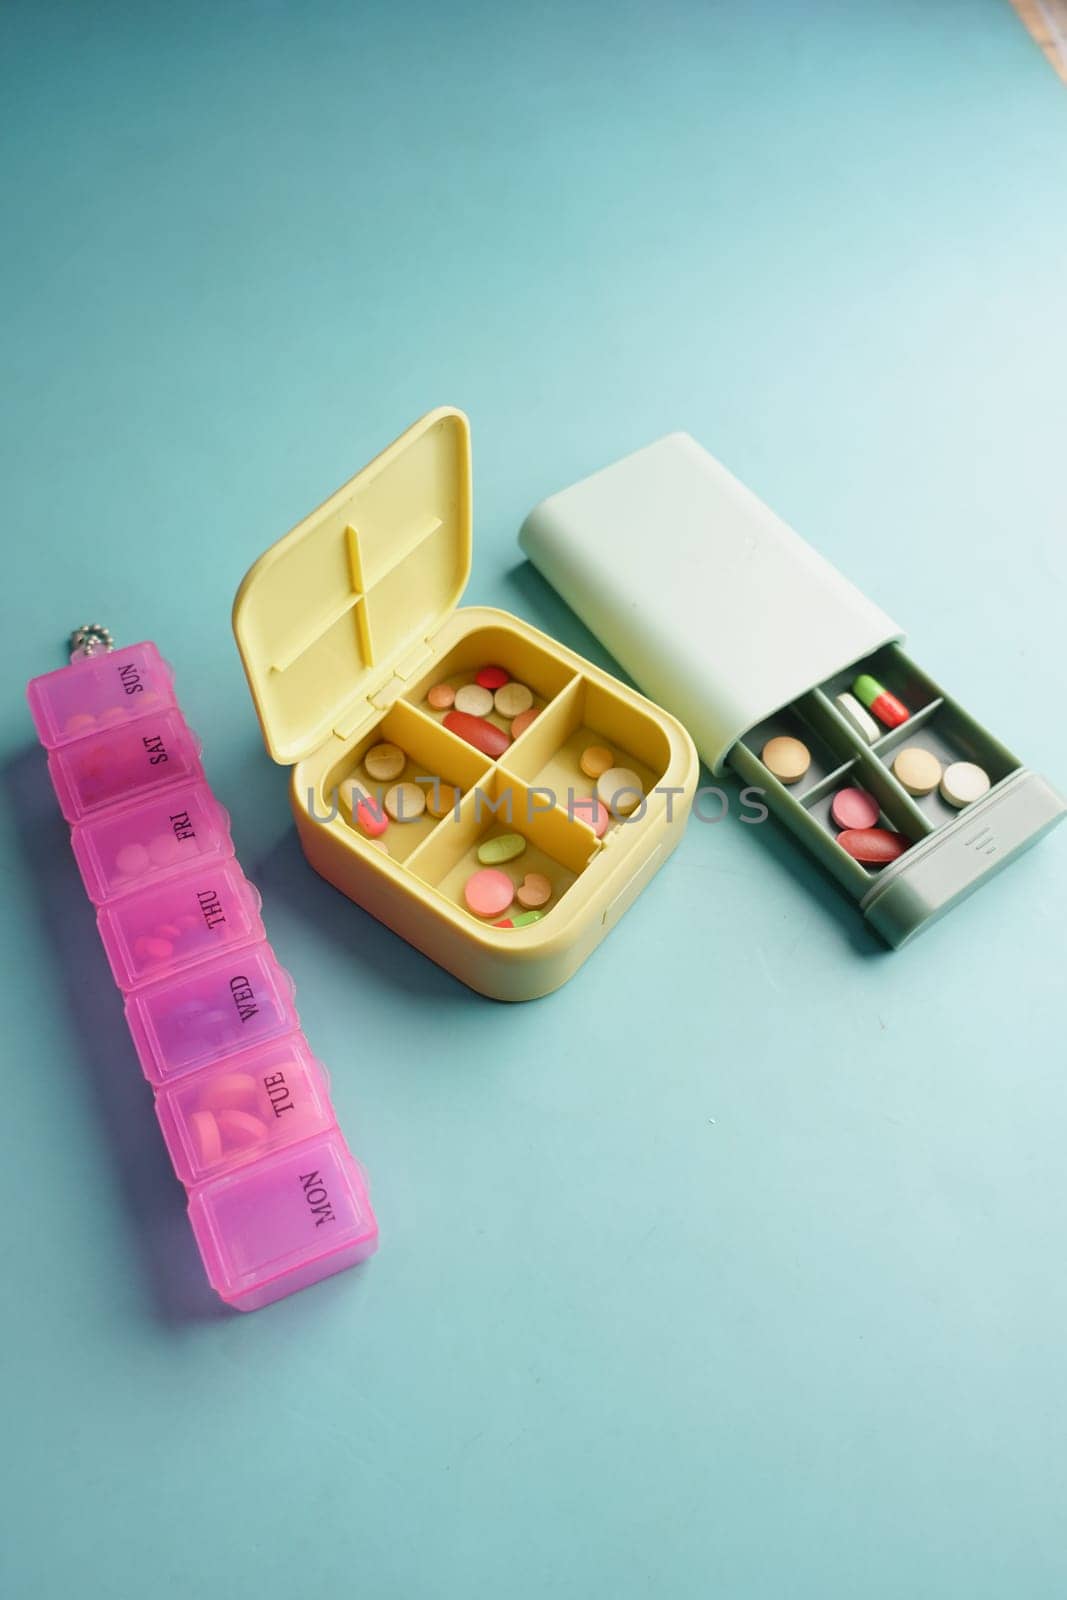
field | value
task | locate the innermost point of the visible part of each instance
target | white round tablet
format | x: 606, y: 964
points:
x: 513, y: 699
x: 963, y: 783
x: 620, y: 790
x: 474, y: 700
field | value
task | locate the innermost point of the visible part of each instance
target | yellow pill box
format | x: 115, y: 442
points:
x: 345, y: 625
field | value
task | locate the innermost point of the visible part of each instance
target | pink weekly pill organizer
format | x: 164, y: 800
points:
x: 276, y: 1200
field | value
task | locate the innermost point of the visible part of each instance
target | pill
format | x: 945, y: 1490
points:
x: 474, y: 700
x: 874, y: 846
x: 241, y: 1128
x: 521, y: 919
x: 918, y: 770
x: 384, y: 762
x: 859, y: 720
x: 229, y: 1089
x: 523, y: 720
x: 405, y: 801
x: 164, y: 848
x: 441, y: 696
x: 132, y: 860
x: 370, y: 819
x: 81, y: 722
x: 492, y: 678
x: 441, y: 798
x: 534, y: 890
x: 854, y: 808
x: 620, y: 789
x: 350, y: 792
x: 885, y: 706
x: 963, y: 783
x: 488, y: 892
x: 112, y: 717
x: 501, y: 847
x: 484, y: 736
x: 513, y: 699
x: 592, y: 812
x: 153, y: 949
x: 595, y: 759
x: 170, y: 930
x: 205, y: 1132
x: 786, y: 758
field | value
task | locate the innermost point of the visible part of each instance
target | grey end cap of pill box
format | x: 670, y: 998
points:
x: 947, y: 866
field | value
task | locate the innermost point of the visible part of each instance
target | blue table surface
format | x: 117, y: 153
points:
x: 735, y: 1267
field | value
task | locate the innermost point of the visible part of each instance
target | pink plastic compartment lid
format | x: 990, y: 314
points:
x: 166, y: 834
x: 211, y: 1011
x: 284, y: 1223
x: 99, y: 692
x: 246, y: 1107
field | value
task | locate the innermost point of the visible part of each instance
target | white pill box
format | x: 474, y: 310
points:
x: 745, y: 632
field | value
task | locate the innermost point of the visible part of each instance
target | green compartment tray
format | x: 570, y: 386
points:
x: 950, y: 851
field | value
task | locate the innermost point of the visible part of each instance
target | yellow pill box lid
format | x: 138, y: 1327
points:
x: 349, y: 597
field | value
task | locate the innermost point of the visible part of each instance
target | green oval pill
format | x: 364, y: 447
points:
x: 504, y: 847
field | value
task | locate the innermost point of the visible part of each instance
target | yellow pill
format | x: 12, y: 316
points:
x: 786, y: 758
x: 595, y: 759
x: 384, y: 762
x: 513, y: 699
x: 441, y: 798
x: 405, y: 801
x: 918, y: 770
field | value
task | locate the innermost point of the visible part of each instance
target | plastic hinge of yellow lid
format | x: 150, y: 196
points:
x: 344, y: 601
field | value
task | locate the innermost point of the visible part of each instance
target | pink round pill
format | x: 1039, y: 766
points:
x: 854, y: 808
x: 132, y: 860
x: 488, y: 892
x: 241, y: 1128
x: 205, y: 1132
x: 593, y: 812
x: 163, y: 849
x: 156, y: 949
x: 229, y: 1089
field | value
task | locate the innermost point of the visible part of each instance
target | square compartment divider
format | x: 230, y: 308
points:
x: 433, y: 754
x: 558, y: 846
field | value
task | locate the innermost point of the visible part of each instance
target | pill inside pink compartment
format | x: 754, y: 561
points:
x: 210, y: 1012
x: 118, y: 851
x: 99, y: 692
x: 123, y: 764
x: 179, y: 921
x: 854, y: 808
x: 284, y: 1222
x: 256, y: 1103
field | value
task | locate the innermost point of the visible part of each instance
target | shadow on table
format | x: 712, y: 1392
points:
x: 152, y: 1200
x: 385, y: 960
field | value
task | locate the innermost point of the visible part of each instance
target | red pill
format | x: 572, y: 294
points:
x: 484, y: 736
x: 371, y: 820
x: 492, y: 678
x: 873, y: 846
